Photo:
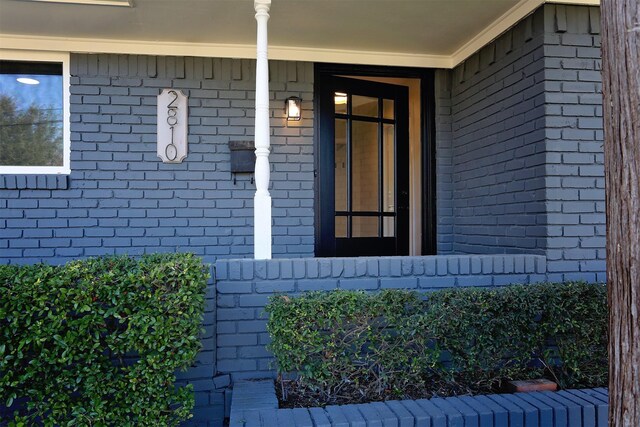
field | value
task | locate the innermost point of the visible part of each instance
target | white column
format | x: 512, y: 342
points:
x: 262, y: 199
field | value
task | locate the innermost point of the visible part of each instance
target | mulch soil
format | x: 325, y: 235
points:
x: 294, y: 394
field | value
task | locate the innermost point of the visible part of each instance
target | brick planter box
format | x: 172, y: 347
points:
x: 243, y: 288
x: 254, y: 404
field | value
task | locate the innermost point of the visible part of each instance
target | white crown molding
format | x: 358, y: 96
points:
x: 359, y: 57
x: 133, y: 47
x: 120, y: 3
x: 285, y: 53
x: 506, y: 21
x: 576, y: 2
x: 497, y: 27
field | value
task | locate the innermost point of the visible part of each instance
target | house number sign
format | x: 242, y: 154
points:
x: 172, y: 126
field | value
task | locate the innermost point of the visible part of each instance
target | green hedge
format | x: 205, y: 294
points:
x: 472, y: 339
x: 374, y: 342
x: 97, y: 341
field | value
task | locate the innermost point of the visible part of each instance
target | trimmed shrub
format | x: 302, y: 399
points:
x: 523, y: 331
x: 577, y: 322
x: 472, y: 339
x: 488, y: 334
x: 97, y: 341
x: 341, y: 340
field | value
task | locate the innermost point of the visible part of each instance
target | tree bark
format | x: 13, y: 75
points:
x: 621, y: 109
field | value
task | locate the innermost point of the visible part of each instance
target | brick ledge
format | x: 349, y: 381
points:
x: 254, y: 404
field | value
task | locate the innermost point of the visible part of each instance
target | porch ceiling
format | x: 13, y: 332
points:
x: 393, y: 32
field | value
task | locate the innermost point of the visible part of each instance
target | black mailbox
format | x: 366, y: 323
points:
x: 243, y: 158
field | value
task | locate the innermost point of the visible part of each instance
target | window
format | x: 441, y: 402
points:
x: 34, y: 113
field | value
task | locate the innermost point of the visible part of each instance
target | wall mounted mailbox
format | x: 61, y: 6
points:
x: 243, y: 158
x: 172, y: 126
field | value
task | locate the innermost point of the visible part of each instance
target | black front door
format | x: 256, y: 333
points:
x: 363, y: 168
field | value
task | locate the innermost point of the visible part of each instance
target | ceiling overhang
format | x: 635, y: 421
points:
x: 315, y: 52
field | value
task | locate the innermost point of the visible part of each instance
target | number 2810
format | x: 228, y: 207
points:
x: 171, y: 151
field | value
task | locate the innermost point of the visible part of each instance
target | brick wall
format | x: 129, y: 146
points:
x: 120, y: 198
x: 574, y: 172
x: 244, y: 287
x: 519, y: 157
x: 498, y: 144
x: 444, y: 163
x: 520, y: 145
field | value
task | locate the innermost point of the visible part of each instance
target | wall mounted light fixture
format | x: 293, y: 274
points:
x: 293, y: 108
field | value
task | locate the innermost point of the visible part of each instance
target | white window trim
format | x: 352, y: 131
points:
x: 60, y: 57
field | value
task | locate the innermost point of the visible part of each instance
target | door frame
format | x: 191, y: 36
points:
x: 322, y: 72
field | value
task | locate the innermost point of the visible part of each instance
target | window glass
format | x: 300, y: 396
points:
x: 365, y: 106
x: 388, y: 226
x: 387, y: 107
x: 340, y: 100
x: 365, y: 166
x: 388, y: 168
x: 364, y: 226
x: 341, y: 226
x: 341, y: 165
x: 31, y: 114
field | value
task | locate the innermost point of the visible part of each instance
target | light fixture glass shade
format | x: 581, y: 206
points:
x: 293, y: 108
x: 27, y: 81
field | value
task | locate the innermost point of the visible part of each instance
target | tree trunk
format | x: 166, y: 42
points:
x: 621, y: 92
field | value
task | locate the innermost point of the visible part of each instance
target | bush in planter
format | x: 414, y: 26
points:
x: 523, y: 331
x: 96, y: 342
x: 395, y: 339
x: 342, y: 340
x: 577, y: 320
x: 489, y: 334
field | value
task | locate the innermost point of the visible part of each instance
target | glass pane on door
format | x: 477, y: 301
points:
x: 340, y: 101
x: 364, y: 226
x: 364, y: 106
x: 388, y: 168
x: 341, y: 226
x: 364, y: 166
x: 388, y: 109
x: 341, y: 164
x: 388, y: 226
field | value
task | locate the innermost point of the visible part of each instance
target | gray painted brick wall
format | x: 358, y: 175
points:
x: 519, y: 159
x: 497, y: 147
x: 574, y: 172
x: 520, y: 145
x: 120, y: 198
x: 444, y: 163
x: 245, y: 285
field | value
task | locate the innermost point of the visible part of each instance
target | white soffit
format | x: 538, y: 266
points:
x: 412, y: 33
